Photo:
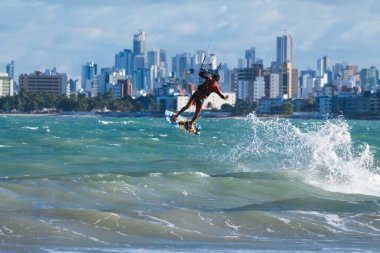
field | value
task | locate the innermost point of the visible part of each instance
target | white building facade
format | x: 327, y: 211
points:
x: 213, y: 102
x: 6, y: 85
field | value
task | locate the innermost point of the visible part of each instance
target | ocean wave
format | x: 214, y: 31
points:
x: 312, y: 204
x: 324, y: 151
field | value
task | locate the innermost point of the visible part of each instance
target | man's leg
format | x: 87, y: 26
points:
x: 198, y: 110
x: 191, y: 101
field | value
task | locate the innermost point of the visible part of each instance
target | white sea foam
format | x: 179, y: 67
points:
x: 286, y: 221
x: 5, y: 146
x: 185, y: 193
x: 157, y: 220
x: 200, y: 174
x: 336, y: 165
x: 31, y: 128
x: 115, y: 144
x: 127, y: 122
x: 208, y: 220
x: 231, y: 225
x: 323, y: 150
x: 196, y: 173
x: 104, y: 122
x: 155, y: 174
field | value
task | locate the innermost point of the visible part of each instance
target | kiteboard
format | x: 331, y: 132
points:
x: 181, y: 123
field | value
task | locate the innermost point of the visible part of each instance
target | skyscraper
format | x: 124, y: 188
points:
x: 123, y: 60
x: 284, y: 49
x: 139, y: 63
x: 243, y: 82
x: 89, y: 71
x: 250, y: 56
x: 284, y: 64
x: 11, y: 70
x: 139, y: 43
x: 181, y: 63
x: 199, y: 56
x: 153, y: 57
x: 369, y: 76
x: 163, y: 63
x: 323, y: 64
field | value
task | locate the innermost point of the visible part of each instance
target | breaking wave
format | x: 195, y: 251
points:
x: 321, y: 153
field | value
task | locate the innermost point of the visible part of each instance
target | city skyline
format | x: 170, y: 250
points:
x: 44, y: 34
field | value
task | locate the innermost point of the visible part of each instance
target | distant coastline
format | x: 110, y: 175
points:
x: 120, y: 114
x: 207, y: 114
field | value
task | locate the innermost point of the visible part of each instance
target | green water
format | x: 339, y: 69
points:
x: 137, y: 184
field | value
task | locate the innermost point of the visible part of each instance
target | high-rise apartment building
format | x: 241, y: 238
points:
x: 89, y: 71
x: 369, y: 77
x: 153, y: 68
x: 163, y: 70
x: 349, y: 71
x: 284, y: 49
x: 124, y: 60
x: 213, y: 61
x: 286, y: 80
x: 153, y: 57
x: 274, y: 85
x: 243, y: 82
x: 6, y: 85
x: 181, y: 63
x: 163, y: 56
x: 122, y: 89
x: 199, y: 56
x: 323, y: 64
x: 283, y: 64
x: 11, y: 70
x: 139, y: 43
x: 295, y: 83
x: 139, y: 71
x: 258, y: 88
x: 250, y: 56
x: 103, y: 79
x: 225, y: 78
x: 56, y: 84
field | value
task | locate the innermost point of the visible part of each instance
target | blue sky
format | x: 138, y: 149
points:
x: 41, y: 34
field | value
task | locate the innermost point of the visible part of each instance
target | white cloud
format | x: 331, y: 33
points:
x: 365, y: 31
x: 79, y: 31
x: 184, y: 28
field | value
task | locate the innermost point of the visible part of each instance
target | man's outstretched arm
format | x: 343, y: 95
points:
x: 221, y: 95
x: 203, y: 74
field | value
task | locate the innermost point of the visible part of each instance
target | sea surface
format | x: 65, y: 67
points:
x: 77, y: 184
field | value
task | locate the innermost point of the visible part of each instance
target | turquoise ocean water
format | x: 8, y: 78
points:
x: 76, y: 184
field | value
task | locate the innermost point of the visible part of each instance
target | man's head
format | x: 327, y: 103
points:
x: 216, y: 77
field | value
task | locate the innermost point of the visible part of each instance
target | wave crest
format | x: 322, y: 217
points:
x: 322, y: 152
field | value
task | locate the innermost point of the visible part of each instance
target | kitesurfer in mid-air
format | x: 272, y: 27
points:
x: 204, y: 90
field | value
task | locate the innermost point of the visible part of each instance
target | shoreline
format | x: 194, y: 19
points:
x: 97, y: 115
x: 159, y: 115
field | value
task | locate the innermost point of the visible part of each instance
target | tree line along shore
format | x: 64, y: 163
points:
x: 26, y: 102
x: 31, y: 103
